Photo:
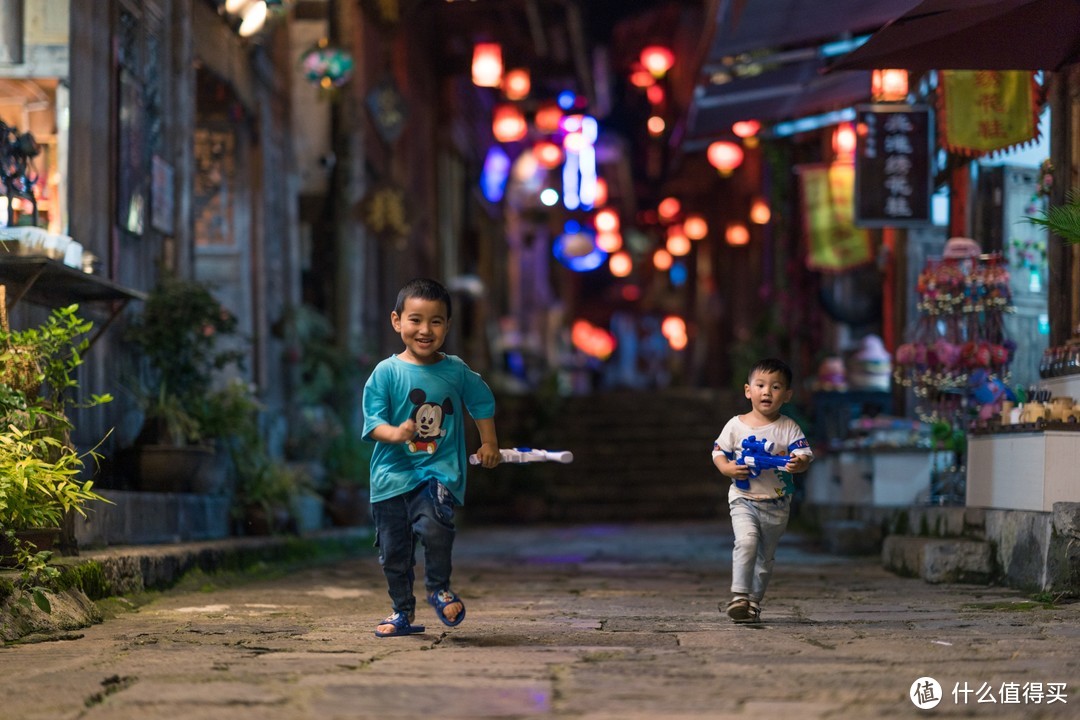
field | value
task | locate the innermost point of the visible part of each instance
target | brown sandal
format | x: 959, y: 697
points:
x: 740, y: 611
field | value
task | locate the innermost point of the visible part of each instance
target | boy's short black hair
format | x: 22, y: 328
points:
x: 424, y: 289
x: 771, y: 365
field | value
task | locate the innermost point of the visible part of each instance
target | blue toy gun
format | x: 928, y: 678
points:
x: 757, y: 455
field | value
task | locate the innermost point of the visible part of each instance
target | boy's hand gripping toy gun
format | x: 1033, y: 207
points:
x: 529, y: 455
x: 757, y: 455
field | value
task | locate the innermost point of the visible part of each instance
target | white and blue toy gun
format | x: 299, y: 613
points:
x: 529, y: 455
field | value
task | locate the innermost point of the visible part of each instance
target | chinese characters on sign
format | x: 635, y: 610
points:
x: 987, y: 110
x: 892, y: 166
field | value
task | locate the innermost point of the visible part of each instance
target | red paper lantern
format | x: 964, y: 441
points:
x: 668, y: 208
x: 609, y: 241
x: 889, y: 85
x: 725, y: 156
x: 516, y: 84
x: 548, y: 154
x: 487, y: 67
x: 760, y: 213
x: 642, y: 78
x: 620, y: 264
x: 843, y: 142
x: 508, y: 124
x: 677, y: 243
x: 548, y: 117
x: 607, y: 220
x: 601, y: 193
x: 747, y: 130
x: 737, y: 234
x: 695, y: 227
x: 657, y: 59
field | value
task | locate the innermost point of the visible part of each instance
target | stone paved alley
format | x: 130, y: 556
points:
x: 591, y: 622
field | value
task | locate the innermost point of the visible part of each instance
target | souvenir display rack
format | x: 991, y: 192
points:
x: 957, y: 355
x: 959, y: 338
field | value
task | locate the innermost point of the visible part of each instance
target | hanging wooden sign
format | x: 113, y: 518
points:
x: 892, y: 165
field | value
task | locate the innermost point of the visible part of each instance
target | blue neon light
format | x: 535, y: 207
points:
x: 495, y: 174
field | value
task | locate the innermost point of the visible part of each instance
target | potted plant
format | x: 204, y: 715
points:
x: 348, y: 471
x: 40, y: 468
x: 183, y: 334
x: 1062, y: 220
x: 266, y: 488
x: 39, y: 485
x: 230, y: 417
x: 327, y: 382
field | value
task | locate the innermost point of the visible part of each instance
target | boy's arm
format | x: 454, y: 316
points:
x: 729, y: 468
x: 801, y: 454
x: 489, y: 443
x: 799, y: 463
x: 396, y: 434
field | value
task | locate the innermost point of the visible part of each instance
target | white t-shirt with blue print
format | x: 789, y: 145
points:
x: 437, y: 397
x: 787, y: 438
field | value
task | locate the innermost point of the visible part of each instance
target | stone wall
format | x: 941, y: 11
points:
x: 1032, y: 551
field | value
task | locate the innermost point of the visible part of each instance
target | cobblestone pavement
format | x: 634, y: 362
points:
x: 591, y: 622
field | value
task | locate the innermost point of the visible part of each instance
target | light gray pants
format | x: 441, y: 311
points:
x: 758, y: 526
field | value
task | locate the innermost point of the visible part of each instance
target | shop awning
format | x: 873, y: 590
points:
x: 767, y: 59
x: 790, y: 91
x: 975, y: 35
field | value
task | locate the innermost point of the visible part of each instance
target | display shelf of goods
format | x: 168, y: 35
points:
x: 956, y: 358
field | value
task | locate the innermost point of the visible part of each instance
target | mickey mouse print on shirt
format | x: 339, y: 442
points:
x: 428, y: 417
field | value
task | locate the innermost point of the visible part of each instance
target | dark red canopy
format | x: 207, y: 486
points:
x: 975, y: 35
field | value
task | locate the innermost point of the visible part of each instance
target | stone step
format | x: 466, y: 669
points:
x: 939, y: 560
x: 851, y: 537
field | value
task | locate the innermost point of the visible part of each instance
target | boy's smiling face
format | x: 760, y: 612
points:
x: 767, y: 393
x: 422, y: 325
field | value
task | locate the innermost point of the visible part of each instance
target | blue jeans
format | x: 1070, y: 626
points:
x: 426, y: 513
x: 758, y: 525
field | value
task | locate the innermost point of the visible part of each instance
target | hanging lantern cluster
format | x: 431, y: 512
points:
x: 326, y: 66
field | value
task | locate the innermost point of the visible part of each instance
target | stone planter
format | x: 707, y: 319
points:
x: 39, y: 538
x: 171, y: 468
x: 348, y: 505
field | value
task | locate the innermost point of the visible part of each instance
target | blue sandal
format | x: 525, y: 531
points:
x: 440, y: 599
x: 402, y: 626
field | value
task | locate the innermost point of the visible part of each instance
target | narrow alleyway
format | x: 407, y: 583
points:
x: 589, y: 621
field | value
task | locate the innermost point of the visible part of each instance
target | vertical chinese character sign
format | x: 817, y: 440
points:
x: 892, y: 166
x: 835, y: 243
x: 986, y: 110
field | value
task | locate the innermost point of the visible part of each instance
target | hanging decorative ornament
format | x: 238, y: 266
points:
x: 388, y: 110
x: 385, y: 12
x: 385, y: 212
x: 326, y: 66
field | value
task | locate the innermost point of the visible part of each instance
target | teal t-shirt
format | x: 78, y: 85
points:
x: 437, y: 397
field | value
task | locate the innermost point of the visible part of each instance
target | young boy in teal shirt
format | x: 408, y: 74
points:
x: 414, y: 405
